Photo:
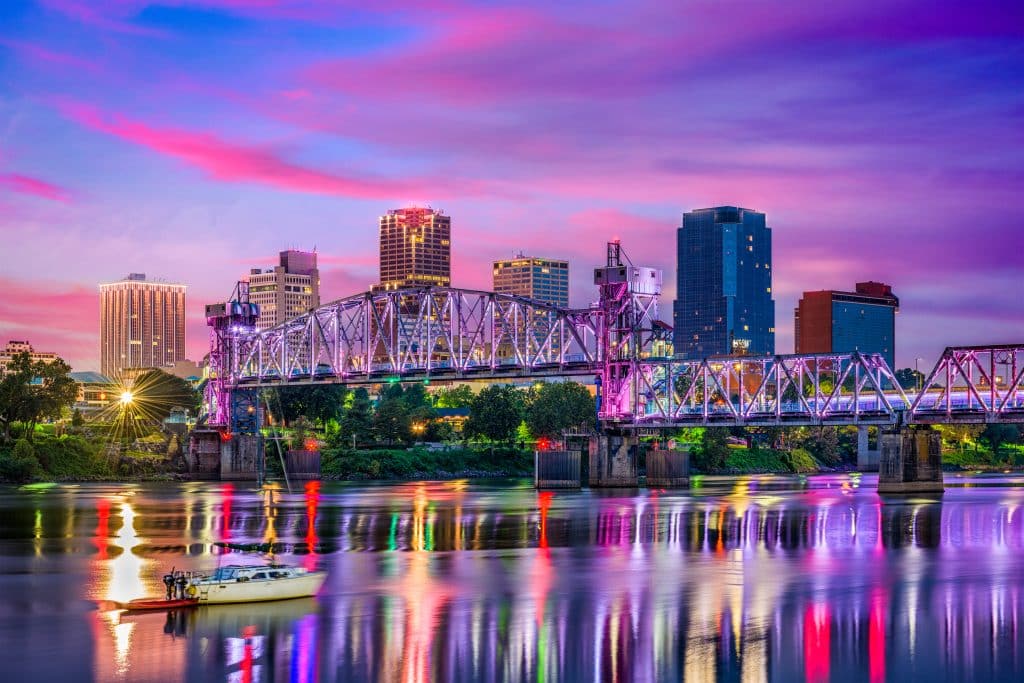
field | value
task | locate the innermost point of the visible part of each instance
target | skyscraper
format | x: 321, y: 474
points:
x: 142, y: 324
x: 724, y: 284
x: 287, y: 290
x: 415, y: 249
x: 840, y: 322
x: 535, y: 278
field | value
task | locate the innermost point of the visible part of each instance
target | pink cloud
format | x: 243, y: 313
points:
x: 28, y: 311
x: 233, y: 162
x: 33, y: 186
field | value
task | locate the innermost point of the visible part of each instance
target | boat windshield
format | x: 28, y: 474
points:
x: 223, y: 574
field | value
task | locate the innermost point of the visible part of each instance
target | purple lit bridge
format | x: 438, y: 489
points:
x: 452, y: 335
x: 449, y: 335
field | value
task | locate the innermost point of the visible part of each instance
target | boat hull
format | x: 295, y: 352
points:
x: 155, y: 604
x: 303, y: 586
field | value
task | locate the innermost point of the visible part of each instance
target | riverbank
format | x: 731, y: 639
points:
x: 74, y: 458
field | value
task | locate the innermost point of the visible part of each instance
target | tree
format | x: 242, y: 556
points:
x: 31, y: 391
x: 823, y: 444
x: 392, y: 422
x: 416, y: 396
x: 20, y: 464
x: 909, y: 378
x: 710, y: 455
x: 495, y: 414
x: 960, y: 435
x: 319, y: 403
x: 455, y: 397
x: 76, y: 418
x: 559, y: 407
x: 357, y: 420
x: 156, y: 392
x: 999, y: 434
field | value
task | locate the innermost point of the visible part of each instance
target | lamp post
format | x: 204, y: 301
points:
x: 917, y: 375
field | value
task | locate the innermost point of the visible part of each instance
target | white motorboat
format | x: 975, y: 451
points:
x: 254, y: 583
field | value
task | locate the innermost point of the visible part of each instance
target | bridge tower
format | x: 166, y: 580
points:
x: 229, y: 444
x: 629, y: 308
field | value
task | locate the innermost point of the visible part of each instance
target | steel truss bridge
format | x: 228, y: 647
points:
x: 448, y: 334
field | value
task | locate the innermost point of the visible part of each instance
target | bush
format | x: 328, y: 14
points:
x: 72, y: 457
x: 337, y: 463
x: 20, y: 464
x: 800, y: 460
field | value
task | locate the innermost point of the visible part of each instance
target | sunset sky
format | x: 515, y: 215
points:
x: 194, y: 139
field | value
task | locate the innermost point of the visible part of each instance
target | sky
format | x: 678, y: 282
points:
x: 194, y: 139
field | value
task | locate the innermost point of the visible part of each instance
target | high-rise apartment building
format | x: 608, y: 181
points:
x: 15, y: 347
x: 286, y: 291
x: 724, y: 302
x: 841, y: 322
x: 415, y: 249
x: 142, y: 324
x: 540, y: 279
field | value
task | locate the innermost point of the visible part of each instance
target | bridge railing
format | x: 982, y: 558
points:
x: 420, y: 332
x: 794, y: 389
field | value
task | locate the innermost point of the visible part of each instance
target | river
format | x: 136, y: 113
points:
x: 738, y: 579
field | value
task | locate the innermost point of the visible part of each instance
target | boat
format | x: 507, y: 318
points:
x: 152, y: 604
x: 254, y: 583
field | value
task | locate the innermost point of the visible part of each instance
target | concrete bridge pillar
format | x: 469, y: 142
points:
x: 613, y: 460
x: 911, y: 461
x: 241, y: 457
x: 867, y: 458
x: 668, y: 469
x: 557, y: 469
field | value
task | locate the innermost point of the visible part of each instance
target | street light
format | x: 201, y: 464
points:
x: 126, y: 397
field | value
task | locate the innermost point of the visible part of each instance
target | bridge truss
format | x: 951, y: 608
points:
x: 754, y: 390
x: 417, y: 333
x: 453, y: 334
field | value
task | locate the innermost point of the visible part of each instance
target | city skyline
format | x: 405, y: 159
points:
x: 830, y: 128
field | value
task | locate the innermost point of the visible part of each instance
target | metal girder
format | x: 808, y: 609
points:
x: 814, y: 389
x: 973, y: 384
x: 420, y: 332
x: 447, y: 333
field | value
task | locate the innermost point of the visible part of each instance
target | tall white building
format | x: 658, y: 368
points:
x: 286, y: 291
x: 142, y: 324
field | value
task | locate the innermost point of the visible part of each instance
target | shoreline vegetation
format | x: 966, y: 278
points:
x: 402, y: 432
x: 76, y: 457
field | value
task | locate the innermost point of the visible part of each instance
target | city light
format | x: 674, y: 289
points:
x: 126, y: 397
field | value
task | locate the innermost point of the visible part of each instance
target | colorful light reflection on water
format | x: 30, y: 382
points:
x: 761, y: 578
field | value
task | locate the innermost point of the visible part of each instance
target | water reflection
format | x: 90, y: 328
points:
x: 750, y: 580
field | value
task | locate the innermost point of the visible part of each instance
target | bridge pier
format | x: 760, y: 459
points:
x: 867, y: 459
x: 668, y: 469
x: 613, y: 460
x: 911, y: 461
x: 557, y: 469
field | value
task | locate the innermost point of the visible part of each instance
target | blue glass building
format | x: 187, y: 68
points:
x: 724, y: 299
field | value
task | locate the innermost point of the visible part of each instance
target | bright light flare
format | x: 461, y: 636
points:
x: 126, y: 397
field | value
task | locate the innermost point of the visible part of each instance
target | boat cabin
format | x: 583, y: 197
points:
x: 250, y: 573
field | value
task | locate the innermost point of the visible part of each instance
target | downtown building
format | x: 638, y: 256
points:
x: 415, y: 249
x: 142, y: 325
x: 540, y: 279
x: 863, y: 320
x: 724, y: 302
x: 286, y: 291
x: 15, y: 347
